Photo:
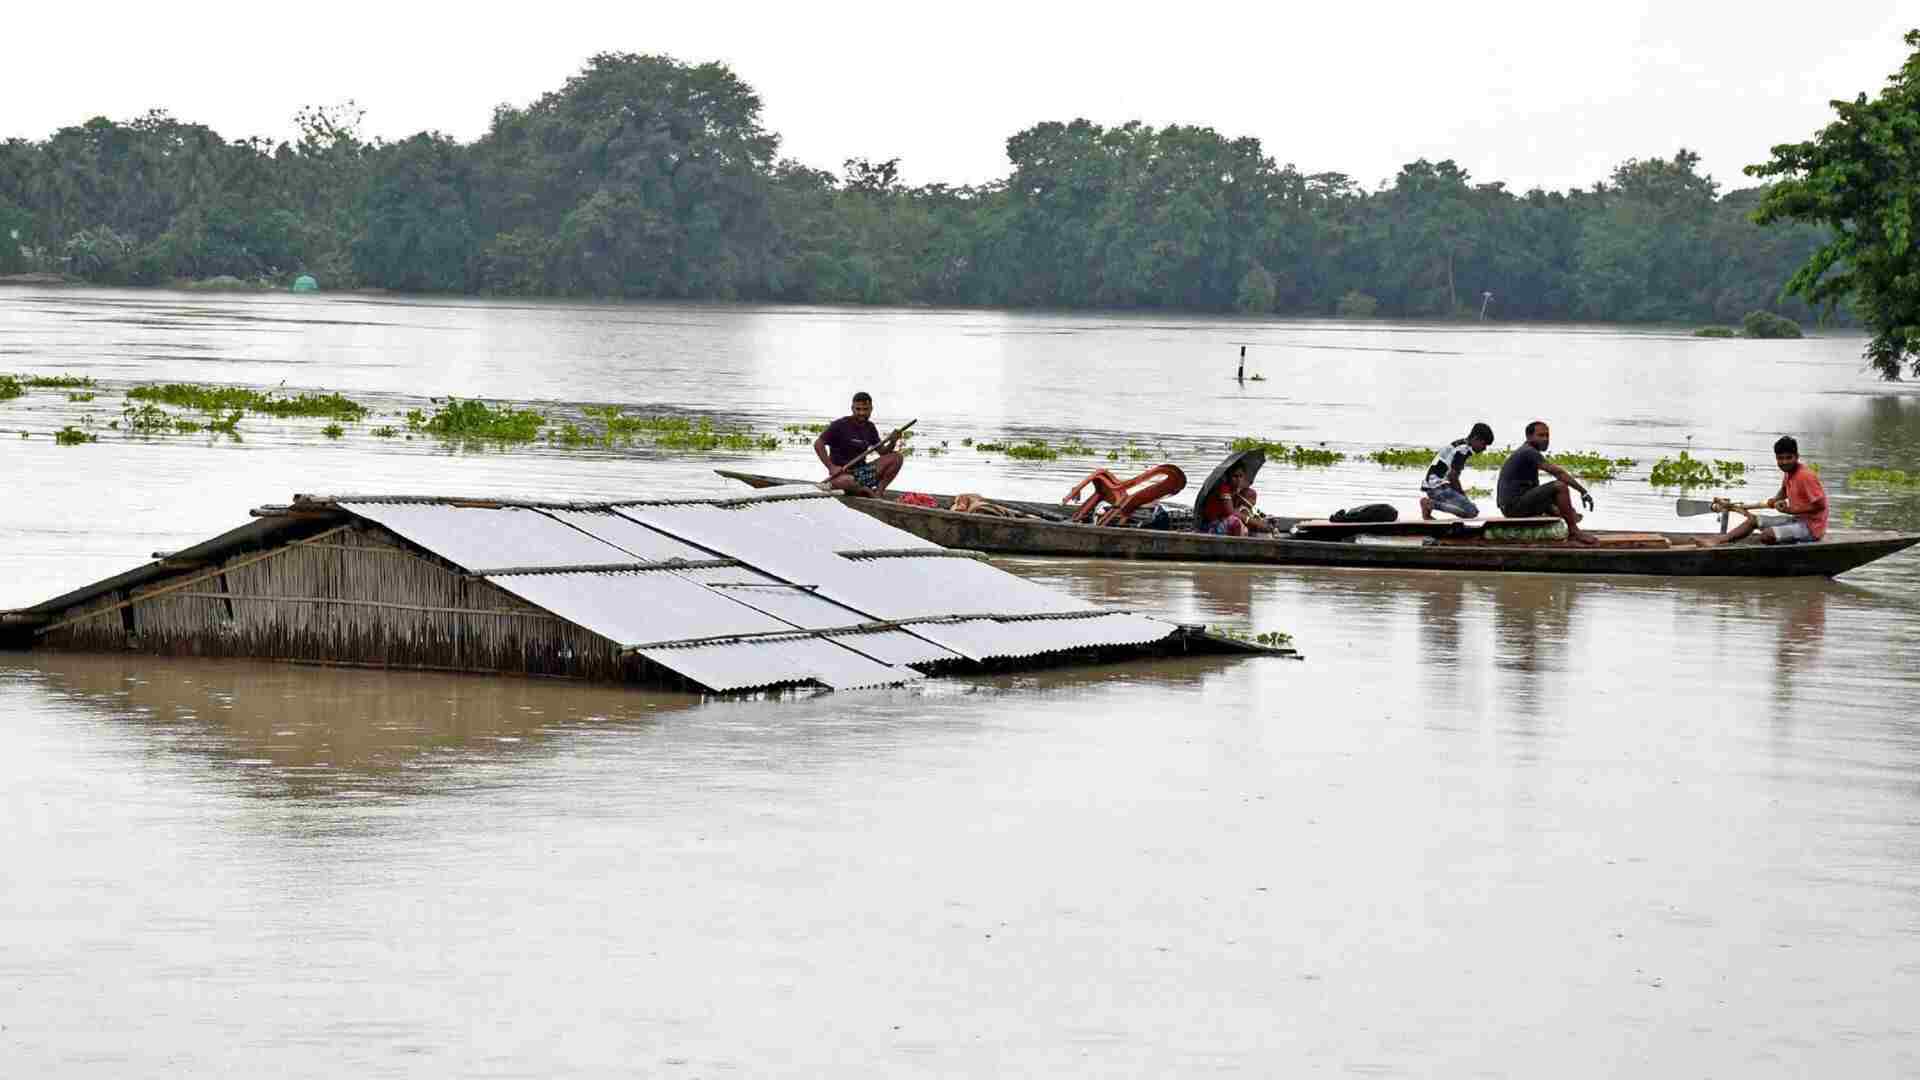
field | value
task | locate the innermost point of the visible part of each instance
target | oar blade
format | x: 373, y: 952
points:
x: 1693, y: 507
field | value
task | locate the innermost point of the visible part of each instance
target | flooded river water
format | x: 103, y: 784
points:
x: 1501, y: 825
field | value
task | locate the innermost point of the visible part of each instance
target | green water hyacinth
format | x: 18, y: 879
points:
x: 1689, y: 471
x: 474, y: 419
x: 1296, y: 455
x: 1883, y: 478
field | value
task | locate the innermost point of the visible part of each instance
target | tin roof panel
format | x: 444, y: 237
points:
x: 988, y: 639
x: 480, y: 539
x: 644, y: 544
x: 752, y: 665
x: 632, y: 607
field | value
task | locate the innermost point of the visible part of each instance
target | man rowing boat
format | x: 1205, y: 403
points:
x: 843, y: 447
x: 1801, y: 496
x: 1521, y: 494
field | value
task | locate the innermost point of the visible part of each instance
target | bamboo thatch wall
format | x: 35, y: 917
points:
x: 349, y: 595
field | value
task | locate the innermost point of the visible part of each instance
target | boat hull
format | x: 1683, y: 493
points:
x: 1842, y: 550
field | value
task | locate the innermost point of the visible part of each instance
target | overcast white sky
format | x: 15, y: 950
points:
x: 1546, y: 93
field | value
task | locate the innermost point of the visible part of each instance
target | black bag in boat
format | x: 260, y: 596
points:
x: 1371, y: 512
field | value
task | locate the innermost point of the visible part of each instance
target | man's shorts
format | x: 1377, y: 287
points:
x: 1538, y: 502
x: 865, y: 474
x: 1452, y: 500
x: 1793, y: 532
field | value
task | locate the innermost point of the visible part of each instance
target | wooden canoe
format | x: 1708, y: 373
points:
x: 1045, y: 532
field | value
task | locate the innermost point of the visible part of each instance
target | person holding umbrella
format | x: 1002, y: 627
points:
x: 1226, y: 503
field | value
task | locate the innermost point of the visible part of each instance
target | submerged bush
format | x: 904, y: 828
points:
x: 9, y: 388
x: 1765, y: 324
x: 73, y: 436
x: 1716, y: 332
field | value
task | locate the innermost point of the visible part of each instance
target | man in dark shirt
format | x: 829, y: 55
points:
x: 846, y: 439
x: 1521, y: 494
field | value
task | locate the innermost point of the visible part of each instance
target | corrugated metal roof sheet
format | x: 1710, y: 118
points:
x: 751, y: 665
x: 838, y: 527
x: 635, y: 539
x: 479, y: 539
x: 987, y: 639
x: 897, y: 647
x: 883, y: 588
x: 632, y: 607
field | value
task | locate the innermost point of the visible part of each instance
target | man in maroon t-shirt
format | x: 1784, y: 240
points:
x: 851, y: 436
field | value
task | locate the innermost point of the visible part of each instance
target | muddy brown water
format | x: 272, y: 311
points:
x: 1505, y: 825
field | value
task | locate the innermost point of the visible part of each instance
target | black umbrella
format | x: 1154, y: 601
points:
x: 1251, y: 459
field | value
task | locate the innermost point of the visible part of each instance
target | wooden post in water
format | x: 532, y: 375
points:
x: 1241, y: 375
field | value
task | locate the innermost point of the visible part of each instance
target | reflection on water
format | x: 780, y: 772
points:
x: 304, y: 731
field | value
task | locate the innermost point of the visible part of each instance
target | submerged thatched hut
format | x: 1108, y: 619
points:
x: 780, y: 589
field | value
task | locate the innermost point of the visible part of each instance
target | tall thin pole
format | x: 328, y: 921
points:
x: 1241, y: 375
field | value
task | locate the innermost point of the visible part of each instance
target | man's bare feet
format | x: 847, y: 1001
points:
x: 1426, y: 508
x: 1582, y: 536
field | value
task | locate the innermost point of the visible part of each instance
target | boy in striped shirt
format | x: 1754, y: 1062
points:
x: 1440, y: 489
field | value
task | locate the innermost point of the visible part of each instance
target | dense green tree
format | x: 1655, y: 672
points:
x: 1860, y: 177
x: 416, y: 234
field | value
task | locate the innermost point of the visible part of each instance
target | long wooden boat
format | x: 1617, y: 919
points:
x: 1043, y: 530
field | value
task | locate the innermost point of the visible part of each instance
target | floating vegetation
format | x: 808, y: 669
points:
x: 1033, y: 450
x: 333, y: 431
x: 1590, y: 466
x: 687, y: 435
x: 1256, y: 378
x: 1073, y: 447
x: 986, y: 447
x: 968, y: 441
x: 385, y: 431
x: 60, y: 382
x: 1395, y: 457
x: 1297, y: 456
x: 82, y: 397
x: 1690, y: 471
x: 211, y: 399
x: 1478, y: 492
x: 73, y: 436
x: 1882, y: 478
x: 1716, y: 332
x: 9, y: 388
x: 1273, y: 639
x: 227, y: 425
x: 473, y: 419
x: 1490, y: 458
x: 154, y: 420
x: 569, y: 434
x: 804, y: 429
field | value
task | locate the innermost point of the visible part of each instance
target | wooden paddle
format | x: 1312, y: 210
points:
x: 1696, y: 507
x: 874, y: 449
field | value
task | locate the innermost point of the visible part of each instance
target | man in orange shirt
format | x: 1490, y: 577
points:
x: 1800, y: 495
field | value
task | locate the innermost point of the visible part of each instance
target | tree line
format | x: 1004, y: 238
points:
x: 644, y: 176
